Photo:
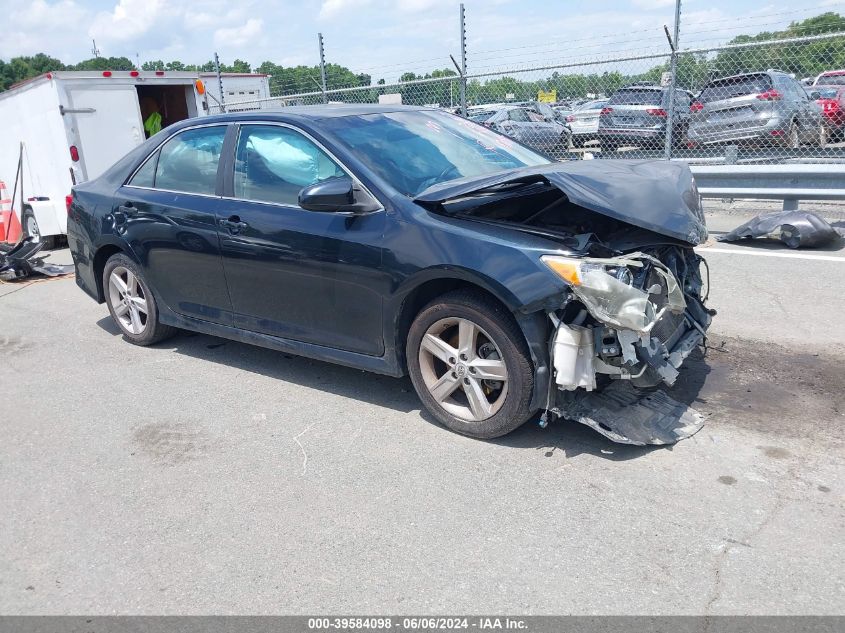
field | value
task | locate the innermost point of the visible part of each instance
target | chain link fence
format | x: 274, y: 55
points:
x: 777, y: 100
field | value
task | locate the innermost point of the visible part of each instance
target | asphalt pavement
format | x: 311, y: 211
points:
x: 206, y: 476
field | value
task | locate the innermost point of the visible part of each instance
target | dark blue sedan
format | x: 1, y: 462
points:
x: 403, y: 240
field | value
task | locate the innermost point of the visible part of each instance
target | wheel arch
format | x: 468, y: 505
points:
x: 101, y: 256
x: 414, y: 295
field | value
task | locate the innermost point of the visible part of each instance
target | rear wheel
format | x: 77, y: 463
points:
x: 608, y: 147
x: 824, y: 136
x: 470, y: 365
x: 793, y: 137
x: 30, y: 226
x: 131, y: 303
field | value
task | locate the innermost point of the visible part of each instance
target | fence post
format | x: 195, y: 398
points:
x: 463, y: 93
x: 219, y: 82
x: 673, y: 71
x: 322, y: 68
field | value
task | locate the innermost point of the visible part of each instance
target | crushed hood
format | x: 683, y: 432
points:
x: 659, y: 196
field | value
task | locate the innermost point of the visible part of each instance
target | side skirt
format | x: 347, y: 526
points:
x: 377, y: 364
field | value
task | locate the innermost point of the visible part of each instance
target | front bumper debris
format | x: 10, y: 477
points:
x: 624, y: 414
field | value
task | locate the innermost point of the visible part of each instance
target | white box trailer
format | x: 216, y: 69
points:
x: 76, y: 124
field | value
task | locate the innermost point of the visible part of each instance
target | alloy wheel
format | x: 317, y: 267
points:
x: 128, y: 301
x: 463, y: 369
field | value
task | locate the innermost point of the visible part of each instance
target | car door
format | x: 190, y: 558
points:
x: 166, y: 213
x: 308, y: 276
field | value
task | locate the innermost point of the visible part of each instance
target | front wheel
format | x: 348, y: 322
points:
x: 131, y: 303
x: 470, y: 365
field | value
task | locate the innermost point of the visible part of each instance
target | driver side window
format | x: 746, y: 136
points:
x: 274, y: 163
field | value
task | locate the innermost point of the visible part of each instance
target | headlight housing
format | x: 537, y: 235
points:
x: 605, y: 287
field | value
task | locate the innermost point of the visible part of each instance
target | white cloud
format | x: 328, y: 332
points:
x: 651, y: 5
x: 332, y: 8
x: 128, y: 20
x: 239, y: 35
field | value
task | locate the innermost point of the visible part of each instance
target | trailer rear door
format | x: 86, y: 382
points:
x: 108, y: 125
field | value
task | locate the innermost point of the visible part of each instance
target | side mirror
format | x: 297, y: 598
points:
x: 336, y: 195
x: 814, y: 94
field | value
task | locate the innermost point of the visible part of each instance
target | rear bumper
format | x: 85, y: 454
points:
x: 632, y: 136
x: 705, y: 133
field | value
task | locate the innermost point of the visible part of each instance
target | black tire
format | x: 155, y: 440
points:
x: 153, y: 330
x: 608, y: 148
x: 505, y: 334
x: 29, y: 226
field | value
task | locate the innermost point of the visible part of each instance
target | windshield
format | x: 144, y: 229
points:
x: 735, y: 87
x: 636, y: 97
x: 592, y: 105
x: 832, y: 80
x: 480, y: 117
x: 413, y: 150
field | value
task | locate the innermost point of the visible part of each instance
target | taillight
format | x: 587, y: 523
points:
x: 696, y: 106
x: 657, y: 112
x: 74, y: 154
x: 606, y: 110
x: 159, y: 73
x: 570, y: 118
x: 134, y: 73
x: 770, y: 95
x: 68, y: 202
x: 106, y: 73
x: 829, y: 105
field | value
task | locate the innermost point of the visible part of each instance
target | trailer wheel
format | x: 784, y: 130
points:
x: 30, y: 226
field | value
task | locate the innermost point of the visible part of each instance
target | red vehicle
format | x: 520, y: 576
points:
x: 832, y: 102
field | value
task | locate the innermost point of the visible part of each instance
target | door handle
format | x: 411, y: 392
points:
x: 233, y: 224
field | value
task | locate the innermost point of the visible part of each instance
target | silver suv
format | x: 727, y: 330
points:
x: 752, y: 108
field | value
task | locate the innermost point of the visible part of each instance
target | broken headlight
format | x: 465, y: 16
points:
x: 606, y: 288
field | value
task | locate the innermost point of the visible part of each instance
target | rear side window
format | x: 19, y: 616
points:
x: 519, y: 116
x: 636, y: 97
x: 188, y: 161
x: 731, y: 87
x: 145, y: 177
x: 274, y: 163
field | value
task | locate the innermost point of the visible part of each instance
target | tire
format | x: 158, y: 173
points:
x: 824, y: 136
x: 607, y: 147
x: 793, y: 136
x: 30, y: 226
x: 132, y: 306
x: 497, y: 347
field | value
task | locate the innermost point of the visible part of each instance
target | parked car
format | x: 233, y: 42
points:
x: 528, y: 126
x: 831, y: 99
x: 830, y: 78
x: 753, y: 108
x: 402, y: 240
x: 637, y: 115
x: 584, y: 122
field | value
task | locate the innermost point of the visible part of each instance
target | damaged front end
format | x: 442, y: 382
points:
x: 634, y: 306
x: 631, y: 319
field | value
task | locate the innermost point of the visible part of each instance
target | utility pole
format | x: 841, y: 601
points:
x: 219, y: 82
x: 463, y: 93
x: 322, y: 67
x: 94, y: 50
x: 673, y: 71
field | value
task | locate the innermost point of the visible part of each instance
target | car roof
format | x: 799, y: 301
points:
x: 312, y: 112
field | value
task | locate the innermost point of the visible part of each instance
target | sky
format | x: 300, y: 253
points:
x: 383, y: 38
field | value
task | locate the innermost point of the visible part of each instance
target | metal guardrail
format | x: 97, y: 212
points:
x: 790, y: 183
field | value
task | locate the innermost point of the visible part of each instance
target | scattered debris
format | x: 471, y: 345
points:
x: 796, y: 229
x: 20, y: 261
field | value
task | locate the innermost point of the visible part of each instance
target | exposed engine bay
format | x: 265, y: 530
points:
x: 636, y: 305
